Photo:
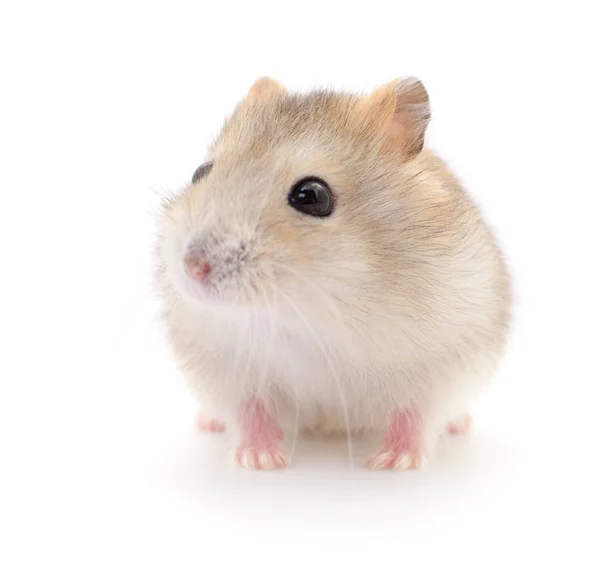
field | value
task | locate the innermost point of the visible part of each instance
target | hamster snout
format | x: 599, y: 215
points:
x: 215, y: 264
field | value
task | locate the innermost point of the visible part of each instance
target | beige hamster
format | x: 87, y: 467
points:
x: 325, y: 270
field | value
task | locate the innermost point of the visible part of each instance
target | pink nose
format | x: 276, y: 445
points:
x: 197, y: 267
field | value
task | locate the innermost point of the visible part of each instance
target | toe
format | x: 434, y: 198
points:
x: 459, y: 426
x: 395, y: 460
x: 207, y: 424
x: 253, y: 458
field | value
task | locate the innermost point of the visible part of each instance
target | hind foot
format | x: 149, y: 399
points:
x: 207, y: 424
x: 460, y: 426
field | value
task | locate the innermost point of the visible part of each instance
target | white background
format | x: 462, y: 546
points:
x: 105, y: 105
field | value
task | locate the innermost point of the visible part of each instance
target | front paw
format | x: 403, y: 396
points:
x: 402, y: 446
x: 260, y: 457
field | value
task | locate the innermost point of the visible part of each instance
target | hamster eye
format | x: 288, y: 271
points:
x: 311, y: 196
x: 202, y: 171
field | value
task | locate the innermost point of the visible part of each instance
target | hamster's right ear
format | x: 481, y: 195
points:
x: 264, y: 89
x: 401, y: 108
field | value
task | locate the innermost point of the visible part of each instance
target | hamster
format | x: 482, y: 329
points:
x: 325, y: 270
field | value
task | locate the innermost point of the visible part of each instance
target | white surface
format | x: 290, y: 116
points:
x: 103, y: 107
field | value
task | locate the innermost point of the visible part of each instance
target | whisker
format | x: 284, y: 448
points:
x: 129, y: 315
x: 251, y: 343
x: 320, y: 294
x: 263, y: 206
x: 267, y: 351
x: 333, y: 373
x: 296, y: 428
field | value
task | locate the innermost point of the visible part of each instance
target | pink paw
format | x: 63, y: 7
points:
x: 207, y: 424
x: 459, y: 426
x: 402, y: 444
x: 252, y: 457
x: 261, y: 437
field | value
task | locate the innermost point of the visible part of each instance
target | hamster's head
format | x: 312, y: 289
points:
x: 294, y: 197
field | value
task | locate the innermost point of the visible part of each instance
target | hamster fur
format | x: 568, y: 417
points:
x: 389, y: 315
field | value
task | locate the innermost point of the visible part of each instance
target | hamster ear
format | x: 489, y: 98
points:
x: 263, y: 89
x: 402, y: 109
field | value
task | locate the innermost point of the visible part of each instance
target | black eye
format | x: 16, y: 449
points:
x: 311, y: 196
x: 201, y: 171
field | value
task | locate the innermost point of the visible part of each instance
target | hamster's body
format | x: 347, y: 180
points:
x: 390, y: 312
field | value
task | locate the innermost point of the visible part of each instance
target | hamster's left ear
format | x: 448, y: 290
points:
x: 401, y: 108
x: 264, y: 89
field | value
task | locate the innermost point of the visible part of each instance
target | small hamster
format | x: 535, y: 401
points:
x: 323, y: 270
